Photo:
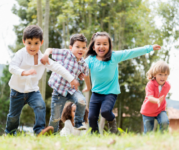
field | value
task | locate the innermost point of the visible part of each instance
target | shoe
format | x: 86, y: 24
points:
x: 47, y: 131
x: 80, y: 126
x: 113, y: 127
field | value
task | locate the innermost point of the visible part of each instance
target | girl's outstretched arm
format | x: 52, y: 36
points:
x: 88, y: 84
x: 128, y: 54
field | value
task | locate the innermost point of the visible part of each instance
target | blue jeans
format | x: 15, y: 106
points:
x: 17, y: 101
x: 162, y: 119
x: 57, y: 105
x: 98, y: 102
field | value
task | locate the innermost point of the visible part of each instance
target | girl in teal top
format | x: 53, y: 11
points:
x: 103, y: 65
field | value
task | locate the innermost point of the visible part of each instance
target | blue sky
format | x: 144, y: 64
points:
x: 8, y: 37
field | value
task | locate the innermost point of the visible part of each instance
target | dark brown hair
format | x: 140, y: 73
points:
x: 77, y: 37
x: 86, y: 115
x: 66, y: 114
x: 90, y: 51
x: 33, y: 31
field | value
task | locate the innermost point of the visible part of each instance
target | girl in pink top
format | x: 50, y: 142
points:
x: 154, y: 104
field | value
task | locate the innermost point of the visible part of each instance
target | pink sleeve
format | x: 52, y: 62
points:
x: 149, y: 89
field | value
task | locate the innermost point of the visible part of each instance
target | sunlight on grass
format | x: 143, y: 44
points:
x: 127, y: 141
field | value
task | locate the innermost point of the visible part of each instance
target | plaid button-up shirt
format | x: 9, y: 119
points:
x: 68, y: 60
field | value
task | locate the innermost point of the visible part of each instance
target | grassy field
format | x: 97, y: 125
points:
x: 129, y: 141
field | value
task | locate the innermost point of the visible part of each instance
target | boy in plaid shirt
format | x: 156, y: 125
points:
x: 72, y: 60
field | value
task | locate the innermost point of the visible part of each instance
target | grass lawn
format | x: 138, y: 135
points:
x: 129, y: 141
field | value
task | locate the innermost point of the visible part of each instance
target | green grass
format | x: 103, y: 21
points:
x: 129, y: 141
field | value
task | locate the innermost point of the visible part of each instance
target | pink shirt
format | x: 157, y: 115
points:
x: 152, y: 89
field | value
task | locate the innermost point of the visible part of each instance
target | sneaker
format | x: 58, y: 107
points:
x: 80, y: 126
x: 113, y: 127
x: 47, y: 131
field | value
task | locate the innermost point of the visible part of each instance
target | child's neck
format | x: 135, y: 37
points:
x: 99, y: 58
x: 36, y: 59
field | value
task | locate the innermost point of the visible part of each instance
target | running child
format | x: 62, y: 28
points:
x: 27, y: 70
x: 103, y: 65
x: 154, y: 104
x: 72, y: 60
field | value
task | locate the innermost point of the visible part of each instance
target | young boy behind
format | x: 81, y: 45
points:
x: 73, y: 61
x: 27, y: 70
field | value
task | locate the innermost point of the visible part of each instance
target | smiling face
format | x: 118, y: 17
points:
x: 78, y: 49
x: 33, y: 45
x: 161, y: 78
x: 101, y: 46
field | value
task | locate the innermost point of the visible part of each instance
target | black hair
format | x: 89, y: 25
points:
x: 90, y: 51
x: 33, y: 31
x: 77, y: 37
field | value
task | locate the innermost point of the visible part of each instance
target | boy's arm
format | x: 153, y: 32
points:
x: 14, y: 66
x: 45, y: 59
x: 88, y: 84
x: 59, y: 69
x: 128, y: 54
x: 156, y: 100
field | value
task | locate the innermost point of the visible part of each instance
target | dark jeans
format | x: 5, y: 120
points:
x: 162, y: 119
x: 98, y: 102
x: 17, y: 101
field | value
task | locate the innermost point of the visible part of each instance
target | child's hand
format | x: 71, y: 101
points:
x: 81, y: 76
x: 161, y: 98
x: 86, y: 89
x: 156, y: 47
x: 29, y: 72
x: 74, y: 84
x: 45, y: 60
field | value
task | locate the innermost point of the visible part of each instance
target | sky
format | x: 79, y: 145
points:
x: 8, y: 37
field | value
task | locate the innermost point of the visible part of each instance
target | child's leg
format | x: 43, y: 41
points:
x: 16, y: 105
x: 163, y: 121
x: 57, y: 105
x: 106, y: 111
x: 80, y: 103
x: 35, y: 101
x: 94, y: 108
x: 148, y: 123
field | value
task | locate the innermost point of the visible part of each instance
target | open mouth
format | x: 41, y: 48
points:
x: 101, y: 51
x: 32, y: 50
x: 80, y: 53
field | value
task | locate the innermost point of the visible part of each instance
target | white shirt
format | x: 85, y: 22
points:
x: 67, y: 129
x: 23, y: 61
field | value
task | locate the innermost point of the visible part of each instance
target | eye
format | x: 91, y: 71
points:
x: 77, y: 46
x: 36, y: 43
x: 29, y: 42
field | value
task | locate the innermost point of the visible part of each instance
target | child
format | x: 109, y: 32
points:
x: 103, y: 65
x: 154, y: 104
x: 68, y: 115
x: 27, y: 70
x: 73, y: 61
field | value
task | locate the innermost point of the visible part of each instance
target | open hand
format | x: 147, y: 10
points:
x: 29, y: 72
x: 156, y: 47
x: 81, y: 76
x: 45, y: 60
x: 161, y: 98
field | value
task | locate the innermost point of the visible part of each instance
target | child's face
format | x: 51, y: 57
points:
x: 101, y: 46
x: 78, y: 49
x: 161, y: 78
x: 73, y: 111
x: 33, y: 45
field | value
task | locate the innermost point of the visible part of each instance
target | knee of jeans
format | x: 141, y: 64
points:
x: 164, y: 122
x: 82, y: 101
x: 13, y: 119
x: 55, y: 116
x: 41, y: 105
x: 105, y: 113
x: 92, y: 118
x: 148, y: 125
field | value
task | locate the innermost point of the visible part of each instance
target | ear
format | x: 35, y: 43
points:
x: 70, y: 47
x: 23, y: 41
x: 93, y: 48
x: 42, y: 42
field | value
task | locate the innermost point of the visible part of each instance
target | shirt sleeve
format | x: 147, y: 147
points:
x: 59, y: 69
x: 86, y: 69
x: 14, y: 66
x: 149, y: 89
x: 58, y: 54
x: 132, y: 53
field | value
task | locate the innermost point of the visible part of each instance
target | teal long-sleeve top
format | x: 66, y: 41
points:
x: 104, y: 74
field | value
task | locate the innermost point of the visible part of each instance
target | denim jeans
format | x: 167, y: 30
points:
x: 17, y: 101
x: 162, y: 119
x: 98, y: 102
x: 57, y: 105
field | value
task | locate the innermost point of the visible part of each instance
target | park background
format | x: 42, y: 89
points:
x: 130, y: 23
